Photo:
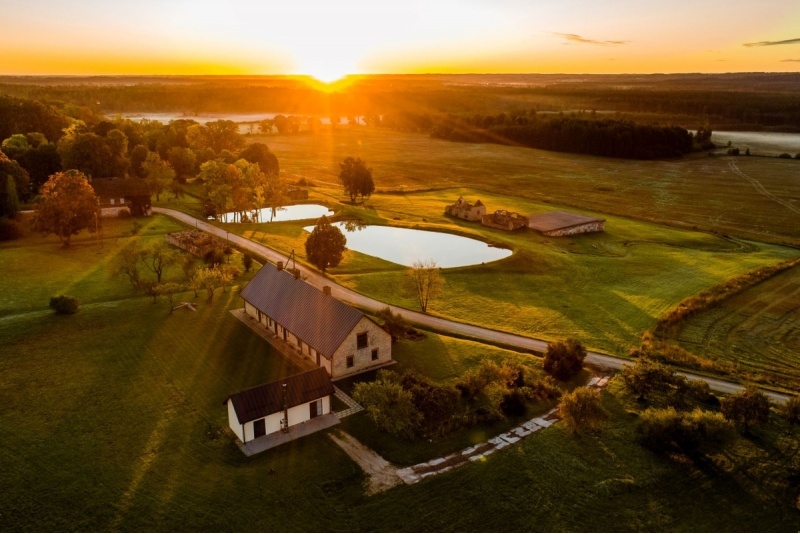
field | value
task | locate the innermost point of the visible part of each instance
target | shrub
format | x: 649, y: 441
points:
x: 64, y: 304
x: 214, y: 257
x: 745, y: 409
x: 582, y: 408
x: 247, y: 262
x: 389, y: 406
x: 9, y: 229
x: 513, y: 403
x: 790, y: 410
x: 397, y: 326
x: 564, y: 359
x: 785, y: 156
x: 664, y: 429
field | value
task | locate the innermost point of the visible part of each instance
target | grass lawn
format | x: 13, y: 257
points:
x: 112, y: 419
x: 709, y: 193
x: 758, y: 329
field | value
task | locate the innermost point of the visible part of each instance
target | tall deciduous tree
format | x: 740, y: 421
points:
x: 326, y: 245
x: 158, y: 257
x: 356, y: 178
x: 261, y: 154
x: 66, y: 205
x: 159, y: 174
x: 425, y: 280
x: 183, y: 162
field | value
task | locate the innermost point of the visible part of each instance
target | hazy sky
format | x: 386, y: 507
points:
x: 329, y: 38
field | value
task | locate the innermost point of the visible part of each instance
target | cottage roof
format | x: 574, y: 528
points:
x: 317, y: 319
x: 478, y: 203
x: 267, y: 399
x: 558, y: 220
x: 120, y: 187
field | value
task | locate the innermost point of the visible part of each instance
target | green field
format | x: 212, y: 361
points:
x: 758, y: 329
x: 696, y: 191
x: 112, y: 419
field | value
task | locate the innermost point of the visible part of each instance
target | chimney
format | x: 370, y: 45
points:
x: 279, y: 265
x: 326, y: 290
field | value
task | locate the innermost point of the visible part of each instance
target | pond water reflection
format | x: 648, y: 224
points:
x: 298, y: 212
x: 406, y: 245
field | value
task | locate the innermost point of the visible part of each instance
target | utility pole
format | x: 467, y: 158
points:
x: 285, y: 409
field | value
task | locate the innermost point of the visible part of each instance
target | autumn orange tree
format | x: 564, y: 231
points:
x: 66, y: 205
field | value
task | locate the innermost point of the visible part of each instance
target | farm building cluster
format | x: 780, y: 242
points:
x: 335, y: 339
x: 552, y: 224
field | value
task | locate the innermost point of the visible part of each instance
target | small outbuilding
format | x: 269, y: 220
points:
x: 563, y: 223
x: 279, y: 406
x: 464, y: 210
x: 335, y: 336
x: 505, y: 220
x: 122, y: 194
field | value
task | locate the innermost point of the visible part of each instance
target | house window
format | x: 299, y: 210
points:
x: 361, y: 341
x: 350, y: 361
x: 122, y: 200
x: 112, y: 201
x: 374, y: 354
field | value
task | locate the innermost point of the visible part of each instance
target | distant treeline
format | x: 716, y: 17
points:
x: 599, y: 137
x: 742, y: 102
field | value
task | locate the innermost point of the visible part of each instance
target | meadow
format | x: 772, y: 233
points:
x: 112, y: 419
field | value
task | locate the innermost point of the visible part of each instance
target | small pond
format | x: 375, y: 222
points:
x: 298, y: 212
x: 405, y: 246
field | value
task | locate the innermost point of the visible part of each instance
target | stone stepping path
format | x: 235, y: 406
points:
x: 352, y: 406
x: 437, y: 466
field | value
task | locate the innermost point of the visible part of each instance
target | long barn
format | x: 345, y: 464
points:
x: 335, y: 336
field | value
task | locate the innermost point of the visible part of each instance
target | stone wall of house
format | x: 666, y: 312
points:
x: 377, y: 339
x: 597, y: 226
x: 503, y: 220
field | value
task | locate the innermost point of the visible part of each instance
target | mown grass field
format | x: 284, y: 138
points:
x: 694, y: 191
x: 112, y: 419
x: 758, y: 329
x: 604, y: 289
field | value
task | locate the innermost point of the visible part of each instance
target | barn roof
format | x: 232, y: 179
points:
x: 267, y: 399
x: 317, y: 319
x: 558, y: 220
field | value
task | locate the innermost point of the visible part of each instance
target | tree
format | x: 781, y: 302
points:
x: 88, y: 153
x: 790, y: 410
x: 582, y: 408
x: 127, y: 263
x: 260, y: 153
x: 389, y: 406
x: 356, y: 178
x: 665, y: 429
x: 247, y: 262
x: 745, y: 409
x: 217, y: 135
x: 9, y: 201
x: 207, y: 278
x: 66, y: 205
x: 64, y: 304
x: 424, y: 279
x: 326, y: 245
x: 183, y: 162
x: 159, y: 174
x: 645, y: 376
x: 138, y: 157
x: 21, y: 183
x: 157, y: 257
x: 563, y: 360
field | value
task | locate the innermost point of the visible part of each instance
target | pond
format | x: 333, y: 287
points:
x: 405, y: 246
x: 298, y: 212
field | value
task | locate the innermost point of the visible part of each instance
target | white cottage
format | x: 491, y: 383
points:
x: 335, y: 336
x: 273, y: 407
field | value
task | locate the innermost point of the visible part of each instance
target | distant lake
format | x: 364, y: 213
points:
x: 204, y: 118
x: 298, y: 212
x: 405, y: 246
x: 769, y: 143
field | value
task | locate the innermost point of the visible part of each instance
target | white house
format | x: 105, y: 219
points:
x: 263, y: 410
x: 335, y: 336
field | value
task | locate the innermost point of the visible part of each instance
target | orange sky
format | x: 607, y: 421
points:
x: 327, y: 38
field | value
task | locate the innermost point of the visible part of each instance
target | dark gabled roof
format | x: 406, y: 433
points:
x: 267, y: 399
x: 557, y: 220
x: 317, y: 319
x: 478, y: 203
x: 120, y: 187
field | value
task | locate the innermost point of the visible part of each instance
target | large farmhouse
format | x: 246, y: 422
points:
x: 278, y: 406
x: 562, y: 223
x: 464, y: 210
x: 335, y: 336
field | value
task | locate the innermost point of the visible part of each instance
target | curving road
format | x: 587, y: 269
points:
x: 435, y: 323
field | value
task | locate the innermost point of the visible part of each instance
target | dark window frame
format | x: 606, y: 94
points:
x: 362, y: 341
x: 374, y: 354
x: 350, y: 361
